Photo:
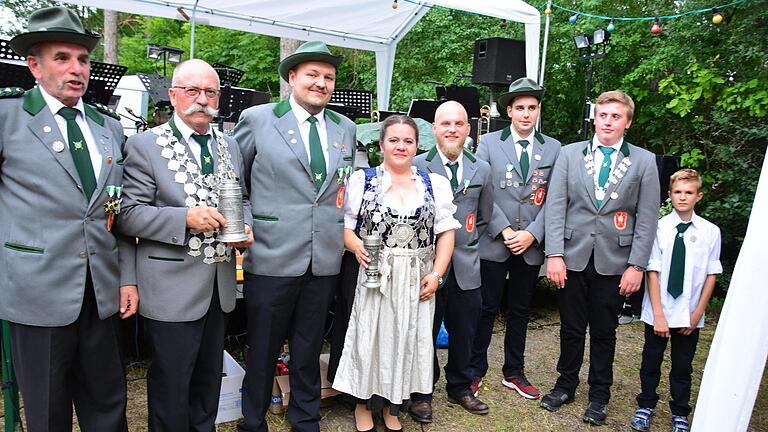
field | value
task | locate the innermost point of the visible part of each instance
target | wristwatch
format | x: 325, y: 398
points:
x: 638, y: 268
x: 439, y: 277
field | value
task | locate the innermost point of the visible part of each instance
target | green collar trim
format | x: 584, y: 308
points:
x: 174, y: 129
x: 33, y: 101
x: 282, y: 108
x: 432, y: 153
x: 539, y: 137
x: 333, y: 116
x: 506, y: 132
x: 94, y: 115
x: 624, y: 148
x: 469, y: 156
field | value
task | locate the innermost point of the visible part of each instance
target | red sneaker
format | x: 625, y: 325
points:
x: 477, y: 383
x: 520, y: 384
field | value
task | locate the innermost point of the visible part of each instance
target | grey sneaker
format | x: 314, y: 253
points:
x: 641, y: 421
x: 680, y: 424
x: 627, y: 319
x: 596, y: 413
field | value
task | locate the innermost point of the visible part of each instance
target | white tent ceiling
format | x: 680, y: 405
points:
x: 371, y: 25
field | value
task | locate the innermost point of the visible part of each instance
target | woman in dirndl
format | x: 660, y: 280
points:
x: 388, y: 350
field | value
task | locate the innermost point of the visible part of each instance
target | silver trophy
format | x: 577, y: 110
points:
x: 372, y: 244
x: 231, y: 207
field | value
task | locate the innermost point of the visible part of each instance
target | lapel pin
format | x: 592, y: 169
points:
x: 537, y: 157
x: 58, y: 146
x: 47, y: 129
x: 290, y: 132
x: 343, y: 147
x: 614, y: 195
x: 466, y: 185
x: 335, y: 145
x: 293, y: 140
x: 109, y: 160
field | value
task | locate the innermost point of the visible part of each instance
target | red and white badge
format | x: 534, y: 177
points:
x: 340, y: 197
x: 620, y: 220
x: 470, y: 223
x: 538, y: 197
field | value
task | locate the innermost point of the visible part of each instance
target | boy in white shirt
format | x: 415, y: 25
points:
x: 681, y: 278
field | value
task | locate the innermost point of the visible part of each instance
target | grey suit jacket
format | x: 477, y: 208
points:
x: 516, y: 205
x: 173, y: 285
x: 294, y: 223
x: 476, y: 202
x: 620, y: 232
x: 50, y: 235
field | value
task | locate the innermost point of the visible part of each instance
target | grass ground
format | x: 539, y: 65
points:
x: 509, y: 412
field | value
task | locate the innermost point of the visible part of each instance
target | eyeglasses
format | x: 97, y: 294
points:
x: 194, y: 92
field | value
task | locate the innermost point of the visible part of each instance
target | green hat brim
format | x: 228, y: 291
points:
x: 506, y: 99
x: 23, y: 42
x: 295, y: 59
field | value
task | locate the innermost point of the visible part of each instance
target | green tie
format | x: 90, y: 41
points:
x: 605, y: 169
x: 524, y: 160
x: 206, y: 161
x: 316, y: 157
x: 454, y: 166
x: 79, y: 150
x: 677, y: 266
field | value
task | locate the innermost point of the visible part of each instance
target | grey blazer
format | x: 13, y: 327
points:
x: 173, y: 285
x: 50, y: 235
x: 620, y: 232
x: 293, y: 223
x: 517, y: 205
x: 476, y: 202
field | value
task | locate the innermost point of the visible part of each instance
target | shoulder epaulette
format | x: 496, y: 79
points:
x: 106, y: 110
x: 11, y: 92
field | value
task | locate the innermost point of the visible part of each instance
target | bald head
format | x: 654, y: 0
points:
x: 451, y: 128
x: 194, y: 67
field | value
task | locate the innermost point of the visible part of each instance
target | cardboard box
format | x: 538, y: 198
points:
x: 231, y: 395
x: 283, y: 382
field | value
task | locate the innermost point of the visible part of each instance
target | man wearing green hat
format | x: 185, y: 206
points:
x: 521, y: 160
x: 297, y: 157
x: 62, y: 285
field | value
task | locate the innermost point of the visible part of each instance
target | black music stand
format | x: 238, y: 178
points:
x: 157, y: 87
x: 13, y: 69
x: 228, y: 74
x: 103, y: 82
x: 468, y: 97
x: 234, y: 100
x: 423, y: 109
x: 356, y: 103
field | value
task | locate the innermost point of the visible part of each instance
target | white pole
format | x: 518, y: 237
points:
x: 192, y: 36
x: 544, y: 48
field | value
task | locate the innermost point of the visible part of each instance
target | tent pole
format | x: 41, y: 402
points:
x: 192, y: 36
x: 544, y: 48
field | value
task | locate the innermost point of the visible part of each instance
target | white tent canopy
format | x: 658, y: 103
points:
x: 371, y: 25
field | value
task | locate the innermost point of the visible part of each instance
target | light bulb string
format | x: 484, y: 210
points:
x: 651, y: 18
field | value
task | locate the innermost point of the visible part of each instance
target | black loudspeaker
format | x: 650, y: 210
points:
x: 498, y: 61
x: 667, y: 165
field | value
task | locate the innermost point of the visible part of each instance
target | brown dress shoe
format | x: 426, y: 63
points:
x: 470, y: 403
x: 421, y: 411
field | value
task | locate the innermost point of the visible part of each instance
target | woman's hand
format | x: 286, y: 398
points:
x: 360, y: 253
x: 428, y: 287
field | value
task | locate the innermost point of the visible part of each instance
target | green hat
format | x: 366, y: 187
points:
x: 53, y: 24
x: 521, y: 87
x: 308, y: 51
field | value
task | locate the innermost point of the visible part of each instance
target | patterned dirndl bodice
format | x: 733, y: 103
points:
x: 414, y: 230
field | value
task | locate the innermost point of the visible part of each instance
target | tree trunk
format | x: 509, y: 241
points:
x: 110, y: 36
x: 287, y: 47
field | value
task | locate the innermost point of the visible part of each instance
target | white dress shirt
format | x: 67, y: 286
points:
x: 93, y: 149
x: 519, y: 148
x: 187, y: 132
x: 598, y: 155
x: 302, y: 118
x: 459, y: 170
x: 702, y: 258
x: 441, y: 188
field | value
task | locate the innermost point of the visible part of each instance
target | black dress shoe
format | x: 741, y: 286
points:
x: 553, y: 400
x: 470, y: 403
x: 421, y: 411
x: 596, y: 413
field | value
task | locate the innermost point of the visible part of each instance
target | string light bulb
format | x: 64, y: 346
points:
x: 573, y: 18
x: 656, y: 27
x: 548, y: 11
x: 716, y: 17
x: 611, y: 27
x: 503, y: 23
x: 394, y: 4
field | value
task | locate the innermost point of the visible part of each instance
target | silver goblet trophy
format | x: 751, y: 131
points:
x: 372, y: 244
x: 231, y: 207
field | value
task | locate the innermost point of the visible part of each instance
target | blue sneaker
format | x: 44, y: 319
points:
x: 641, y: 421
x: 680, y: 424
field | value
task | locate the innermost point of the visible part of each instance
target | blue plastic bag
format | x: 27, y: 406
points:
x: 442, y: 337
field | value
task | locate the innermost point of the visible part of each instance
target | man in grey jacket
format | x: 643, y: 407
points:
x: 512, y: 250
x: 186, y: 275
x: 602, y: 214
x: 297, y: 154
x: 65, y: 275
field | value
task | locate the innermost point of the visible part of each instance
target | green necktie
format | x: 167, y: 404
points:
x: 316, y: 157
x: 454, y: 166
x: 79, y: 150
x: 677, y: 266
x: 206, y: 161
x: 605, y: 169
x: 524, y: 160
